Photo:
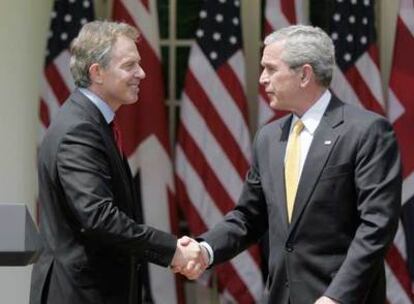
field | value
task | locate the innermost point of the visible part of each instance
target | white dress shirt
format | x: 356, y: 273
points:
x: 102, y: 106
x: 311, y: 120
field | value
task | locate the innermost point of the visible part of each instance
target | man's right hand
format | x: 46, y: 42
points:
x: 190, y: 259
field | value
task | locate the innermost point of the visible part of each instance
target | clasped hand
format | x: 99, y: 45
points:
x: 190, y: 258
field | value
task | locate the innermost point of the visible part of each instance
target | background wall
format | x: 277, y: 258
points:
x: 23, y: 29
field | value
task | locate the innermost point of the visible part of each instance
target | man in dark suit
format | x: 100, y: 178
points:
x: 325, y: 182
x: 93, y: 238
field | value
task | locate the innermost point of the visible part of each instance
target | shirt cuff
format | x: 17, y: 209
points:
x: 210, y: 252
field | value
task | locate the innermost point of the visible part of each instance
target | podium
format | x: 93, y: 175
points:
x: 19, y: 238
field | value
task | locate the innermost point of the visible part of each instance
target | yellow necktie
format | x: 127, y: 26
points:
x: 292, y: 164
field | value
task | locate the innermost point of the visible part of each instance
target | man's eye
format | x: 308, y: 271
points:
x: 129, y: 66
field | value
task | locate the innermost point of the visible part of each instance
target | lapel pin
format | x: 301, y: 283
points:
x: 327, y: 142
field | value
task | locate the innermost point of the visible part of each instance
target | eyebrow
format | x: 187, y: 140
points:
x: 263, y: 63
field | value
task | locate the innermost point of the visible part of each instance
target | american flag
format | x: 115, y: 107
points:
x: 357, y: 80
x: 401, y: 114
x: 213, y: 149
x: 357, y: 77
x: 67, y: 17
x: 278, y: 14
x: 145, y: 137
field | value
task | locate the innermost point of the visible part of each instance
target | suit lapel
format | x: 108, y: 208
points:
x: 277, y: 172
x: 324, y: 140
x: 96, y: 116
x: 122, y: 166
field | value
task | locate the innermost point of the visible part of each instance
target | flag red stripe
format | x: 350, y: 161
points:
x: 195, y: 222
x: 234, y: 88
x: 212, y: 184
x: 263, y: 93
x: 403, y: 66
x: 230, y: 136
x: 173, y: 212
x: 255, y: 254
x: 399, y: 268
x: 404, y: 129
x: 227, y: 276
x: 146, y: 4
x: 267, y: 27
x: 148, y: 116
x: 210, y: 181
x: 44, y: 113
x: 401, y: 80
x: 362, y: 90
x: 57, y: 84
x: 374, y: 54
x: 288, y: 9
x: 220, y: 131
x: 179, y: 283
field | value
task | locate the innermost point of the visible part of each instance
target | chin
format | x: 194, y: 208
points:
x: 133, y: 100
x: 278, y: 106
x: 274, y: 105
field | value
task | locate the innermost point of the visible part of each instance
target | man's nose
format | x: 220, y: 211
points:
x: 140, y: 73
x: 263, y: 78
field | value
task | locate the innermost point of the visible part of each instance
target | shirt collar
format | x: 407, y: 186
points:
x: 313, y: 115
x: 102, y: 106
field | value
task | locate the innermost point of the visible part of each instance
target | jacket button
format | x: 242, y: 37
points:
x: 286, y: 284
x: 289, y: 247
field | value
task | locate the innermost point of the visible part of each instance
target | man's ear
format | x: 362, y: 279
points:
x: 95, y: 73
x: 306, y: 75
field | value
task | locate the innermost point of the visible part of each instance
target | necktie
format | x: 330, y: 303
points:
x: 117, y: 135
x: 292, y: 164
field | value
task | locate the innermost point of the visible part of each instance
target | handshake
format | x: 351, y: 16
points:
x: 190, y: 258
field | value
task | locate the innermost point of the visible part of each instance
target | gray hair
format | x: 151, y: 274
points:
x: 307, y: 45
x: 94, y: 45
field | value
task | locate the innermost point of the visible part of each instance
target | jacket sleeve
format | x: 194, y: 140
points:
x: 85, y: 177
x: 378, y: 185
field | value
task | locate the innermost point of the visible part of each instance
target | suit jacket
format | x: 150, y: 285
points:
x: 92, y: 235
x: 345, y: 214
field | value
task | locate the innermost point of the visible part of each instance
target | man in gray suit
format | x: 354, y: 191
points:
x: 94, y: 241
x: 325, y: 182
